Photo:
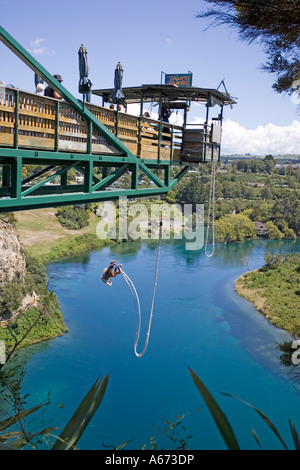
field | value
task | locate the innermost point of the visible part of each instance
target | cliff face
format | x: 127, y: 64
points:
x: 12, y: 261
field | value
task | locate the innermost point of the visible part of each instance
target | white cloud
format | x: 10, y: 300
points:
x: 38, y: 49
x: 37, y: 42
x: 236, y: 139
x: 269, y: 139
x: 135, y: 109
x: 169, y: 42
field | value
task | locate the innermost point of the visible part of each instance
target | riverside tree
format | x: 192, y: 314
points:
x: 234, y: 227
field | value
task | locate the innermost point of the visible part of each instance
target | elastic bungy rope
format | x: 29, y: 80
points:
x: 137, y: 304
x: 211, y: 203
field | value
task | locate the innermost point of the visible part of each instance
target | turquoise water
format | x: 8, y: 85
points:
x: 199, y: 322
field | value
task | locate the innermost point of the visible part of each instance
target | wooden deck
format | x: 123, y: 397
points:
x: 29, y: 121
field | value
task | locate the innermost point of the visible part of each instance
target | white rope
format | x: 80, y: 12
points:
x: 137, y: 306
x: 211, y: 203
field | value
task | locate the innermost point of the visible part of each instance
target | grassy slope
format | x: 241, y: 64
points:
x: 275, y: 293
x: 42, y: 235
x: 39, y: 230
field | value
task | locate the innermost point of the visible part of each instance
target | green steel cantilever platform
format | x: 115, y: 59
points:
x: 42, y: 139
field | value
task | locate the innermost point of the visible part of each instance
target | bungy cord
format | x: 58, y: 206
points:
x: 136, y: 302
x: 211, y: 203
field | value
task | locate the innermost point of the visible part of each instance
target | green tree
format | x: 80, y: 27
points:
x: 287, y: 232
x: 261, y: 212
x: 234, y: 227
x: 267, y: 193
x: 273, y: 231
x: 287, y: 209
x: 194, y: 191
x: 273, y: 23
x: 11, y: 298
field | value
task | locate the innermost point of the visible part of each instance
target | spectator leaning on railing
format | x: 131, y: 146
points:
x: 52, y: 93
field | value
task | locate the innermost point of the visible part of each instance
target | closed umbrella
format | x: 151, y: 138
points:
x: 117, y: 96
x: 85, y: 84
x: 37, y: 79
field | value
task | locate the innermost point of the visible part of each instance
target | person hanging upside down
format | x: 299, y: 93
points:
x: 110, y: 272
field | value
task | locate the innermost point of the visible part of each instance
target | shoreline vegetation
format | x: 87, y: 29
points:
x: 274, y: 289
x: 39, y: 321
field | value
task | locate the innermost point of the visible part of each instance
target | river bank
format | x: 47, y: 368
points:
x: 274, y: 289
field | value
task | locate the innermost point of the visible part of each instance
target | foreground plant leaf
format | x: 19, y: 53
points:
x: 71, y: 434
x: 20, y: 443
x: 263, y: 416
x: 6, y: 423
x: 295, y: 435
x: 6, y: 447
x: 123, y: 445
x: 256, y: 438
x: 217, y: 414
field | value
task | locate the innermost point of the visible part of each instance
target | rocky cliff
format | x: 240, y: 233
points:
x: 12, y: 261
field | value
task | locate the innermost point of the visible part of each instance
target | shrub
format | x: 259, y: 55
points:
x: 288, y: 232
x: 73, y: 218
x: 8, y: 217
x: 11, y: 298
x: 272, y: 261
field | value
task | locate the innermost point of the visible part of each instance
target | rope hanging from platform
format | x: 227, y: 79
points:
x: 211, y: 208
x: 136, y: 301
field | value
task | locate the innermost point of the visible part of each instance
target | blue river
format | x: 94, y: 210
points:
x: 199, y: 322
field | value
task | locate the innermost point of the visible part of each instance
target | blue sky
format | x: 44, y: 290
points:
x: 148, y: 38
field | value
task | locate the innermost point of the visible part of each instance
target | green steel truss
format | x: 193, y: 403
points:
x: 34, y: 191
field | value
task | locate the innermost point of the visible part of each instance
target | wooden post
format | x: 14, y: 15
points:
x: 139, y: 136
x: 16, y: 128
x: 171, y: 144
x: 56, y: 143
x: 89, y: 138
x: 117, y: 121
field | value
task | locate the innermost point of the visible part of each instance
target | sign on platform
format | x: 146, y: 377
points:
x: 180, y: 79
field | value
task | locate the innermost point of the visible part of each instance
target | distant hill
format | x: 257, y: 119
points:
x: 292, y: 158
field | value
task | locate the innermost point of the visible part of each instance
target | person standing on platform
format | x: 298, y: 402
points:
x: 52, y: 93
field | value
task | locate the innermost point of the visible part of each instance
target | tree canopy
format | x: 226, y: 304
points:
x: 274, y: 23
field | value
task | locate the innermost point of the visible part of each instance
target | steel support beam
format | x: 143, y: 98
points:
x: 47, y: 180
